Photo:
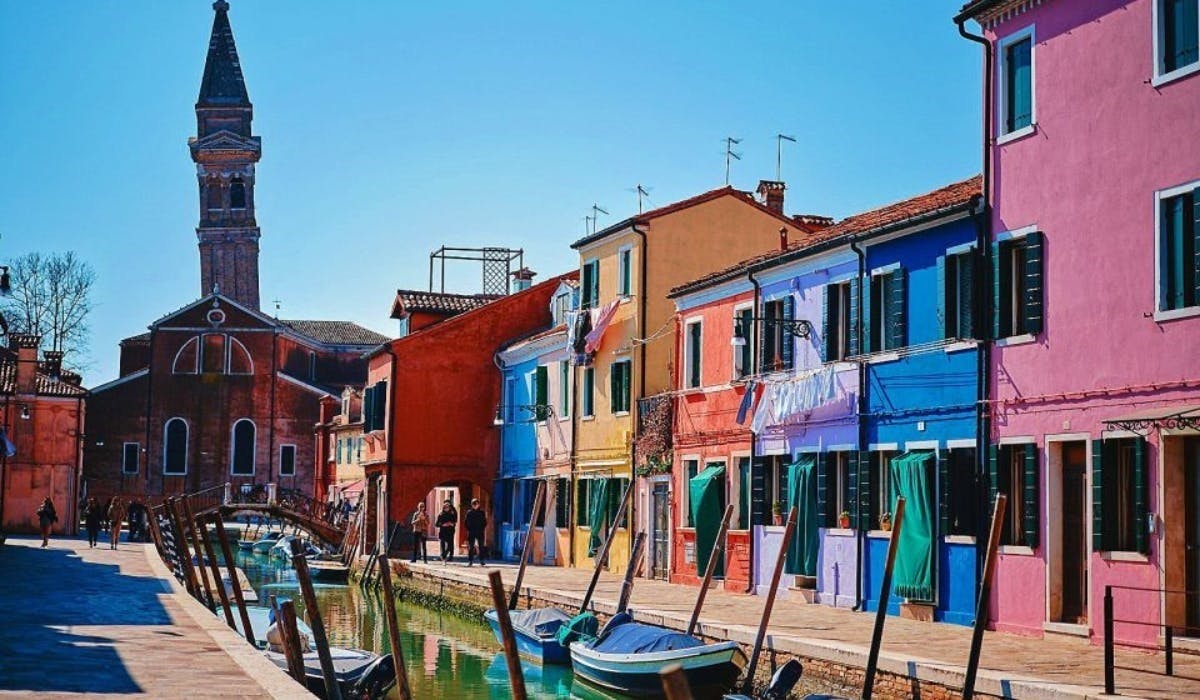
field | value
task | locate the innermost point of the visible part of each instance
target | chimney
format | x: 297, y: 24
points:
x: 783, y: 238
x: 523, y: 279
x: 52, y: 361
x: 26, y: 347
x: 771, y: 193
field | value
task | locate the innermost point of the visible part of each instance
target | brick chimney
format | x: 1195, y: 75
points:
x: 26, y: 348
x: 771, y: 194
x: 52, y: 361
x: 783, y: 238
x: 523, y: 279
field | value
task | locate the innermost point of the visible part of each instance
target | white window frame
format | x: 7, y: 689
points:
x: 687, y: 353
x: 878, y: 315
x: 195, y: 365
x: 737, y: 373
x: 596, y: 274
x: 253, y: 447
x: 137, y: 457
x: 187, y: 435
x: 1003, y: 136
x: 624, y: 278
x: 1159, y: 41
x: 230, y: 342
x: 281, y: 449
x: 564, y: 390
x: 1161, y: 314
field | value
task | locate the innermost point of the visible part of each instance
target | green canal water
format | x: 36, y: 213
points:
x: 446, y: 656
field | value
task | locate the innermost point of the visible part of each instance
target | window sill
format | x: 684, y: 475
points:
x: 1017, y: 135
x: 1177, y: 74
x: 883, y: 357
x: 958, y: 539
x: 879, y: 534
x: 961, y: 345
x: 839, y: 532
x: 620, y: 413
x: 587, y: 418
x: 1023, y: 339
x: 1017, y: 550
x: 1172, y: 314
x: 1136, y: 557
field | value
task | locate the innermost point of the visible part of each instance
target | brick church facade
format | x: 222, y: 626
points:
x: 217, y: 391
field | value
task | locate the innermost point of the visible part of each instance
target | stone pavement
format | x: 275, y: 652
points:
x: 106, y: 623
x: 1010, y: 665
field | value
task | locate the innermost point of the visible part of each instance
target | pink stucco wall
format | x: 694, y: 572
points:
x: 1105, y: 141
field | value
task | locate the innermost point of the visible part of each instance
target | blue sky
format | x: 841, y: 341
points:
x: 390, y: 128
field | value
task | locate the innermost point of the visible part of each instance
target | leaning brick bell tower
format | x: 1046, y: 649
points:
x: 225, y: 153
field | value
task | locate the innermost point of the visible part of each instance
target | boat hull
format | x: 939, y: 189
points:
x: 711, y: 669
x: 542, y: 650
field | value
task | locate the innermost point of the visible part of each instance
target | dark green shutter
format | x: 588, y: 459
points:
x: 767, y: 346
x: 897, y: 325
x: 965, y: 266
x: 1098, y: 539
x: 1141, y: 496
x: 381, y: 394
x: 758, y: 492
x: 368, y: 407
x: 943, y: 457
x: 694, y: 334
x: 998, y: 296
x: 626, y: 391
x: 595, y: 286
x: 852, y: 487
x: 823, y: 507
x: 994, y: 454
x: 541, y: 377
x: 1196, y: 245
x: 864, y: 490
x: 1032, y: 485
x: 614, y: 387
x: 829, y: 352
x: 853, y: 344
x: 788, y: 341
x: 1034, y: 283
x: 943, y: 296
x: 868, y: 294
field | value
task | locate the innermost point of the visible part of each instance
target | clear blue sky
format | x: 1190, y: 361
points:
x: 390, y: 128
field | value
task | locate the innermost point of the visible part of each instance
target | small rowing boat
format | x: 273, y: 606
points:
x: 536, y: 633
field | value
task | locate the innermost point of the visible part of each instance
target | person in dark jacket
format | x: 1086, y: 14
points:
x: 46, y: 519
x: 476, y: 524
x: 447, y: 523
x: 92, y: 515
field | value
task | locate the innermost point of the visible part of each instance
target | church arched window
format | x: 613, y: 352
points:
x: 237, y: 193
x: 239, y: 358
x: 187, y: 359
x: 242, y: 462
x: 175, y: 447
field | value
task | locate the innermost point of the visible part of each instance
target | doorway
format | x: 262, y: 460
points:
x: 660, y: 523
x: 1191, y: 515
x: 1074, y: 534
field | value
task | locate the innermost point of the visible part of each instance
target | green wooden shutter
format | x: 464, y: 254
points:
x: 864, y: 490
x: 614, y: 387
x: 766, y: 348
x: 1141, y: 497
x: 1098, y: 539
x: 595, y: 286
x: 541, y: 398
x: 827, y: 333
x: 897, y: 309
x: 943, y: 458
x: 852, y: 487
x: 1032, y: 518
x: 1196, y: 245
x: 823, y: 507
x: 788, y: 341
x: 758, y: 492
x: 942, y: 294
x: 381, y: 393
x: 1034, y: 283
x: 994, y: 453
x: 368, y: 408
x: 868, y: 287
x: 965, y: 265
x: 998, y: 283
x: 626, y: 389
x: 854, y: 343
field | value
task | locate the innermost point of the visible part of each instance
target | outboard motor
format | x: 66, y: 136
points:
x: 786, y: 677
x: 375, y: 682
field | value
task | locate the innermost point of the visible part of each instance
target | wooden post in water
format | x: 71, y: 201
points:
x: 885, y: 592
x: 674, y: 683
x: 985, y: 594
x: 216, y: 574
x: 537, y: 505
x: 718, y: 549
x: 291, y: 642
x: 190, y: 518
x: 635, y: 556
x: 766, y: 614
x: 234, y: 584
x: 181, y: 550
x: 603, y: 553
x: 332, y: 690
x: 511, y: 657
x: 393, y: 625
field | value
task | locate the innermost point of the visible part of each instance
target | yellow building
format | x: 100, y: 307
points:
x: 626, y: 271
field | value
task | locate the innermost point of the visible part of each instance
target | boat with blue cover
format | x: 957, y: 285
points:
x: 536, y: 633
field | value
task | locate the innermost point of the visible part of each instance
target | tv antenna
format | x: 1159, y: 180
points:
x: 779, y: 139
x: 730, y: 142
x: 597, y: 210
x: 277, y: 304
x: 587, y: 225
x: 643, y: 193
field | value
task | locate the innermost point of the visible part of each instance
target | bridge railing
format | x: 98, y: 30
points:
x: 207, y: 499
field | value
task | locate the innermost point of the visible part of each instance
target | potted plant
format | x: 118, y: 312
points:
x: 885, y: 522
x: 844, y: 520
x: 777, y: 512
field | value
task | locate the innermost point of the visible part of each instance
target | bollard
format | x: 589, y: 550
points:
x: 635, y: 558
x: 770, y: 604
x: 985, y: 594
x: 291, y: 642
x: 718, y: 549
x: 602, y: 555
x: 190, y: 518
x: 537, y: 504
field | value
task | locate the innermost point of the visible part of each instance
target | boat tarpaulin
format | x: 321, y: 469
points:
x: 597, y: 515
x: 802, y: 493
x: 541, y: 621
x: 636, y: 638
x: 582, y: 627
x: 704, y: 500
x: 912, y: 576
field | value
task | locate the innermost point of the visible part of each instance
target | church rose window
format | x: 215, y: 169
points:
x: 243, y: 448
x: 175, y: 439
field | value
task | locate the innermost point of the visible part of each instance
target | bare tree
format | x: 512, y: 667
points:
x: 51, y: 297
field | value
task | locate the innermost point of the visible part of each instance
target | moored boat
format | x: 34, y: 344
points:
x: 264, y: 544
x: 328, y: 571
x: 536, y: 633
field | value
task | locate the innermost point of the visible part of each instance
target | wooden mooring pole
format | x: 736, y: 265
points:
x: 291, y: 642
x: 788, y: 531
x: 332, y: 690
x: 603, y: 553
x: 885, y: 591
x: 985, y: 594
x: 635, y: 558
x: 234, y: 584
x: 537, y: 505
x: 674, y: 683
x: 393, y: 625
x: 216, y: 574
x: 718, y: 549
x: 190, y: 519
x: 511, y: 657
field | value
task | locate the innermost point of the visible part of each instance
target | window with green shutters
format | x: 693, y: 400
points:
x: 956, y: 307
x: 959, y: 499
x: 541, y: 386
x: 1178, y: 31
x: 887, y: 320
x: 582, y: 488
x: 625, y: 271
x: 833, y: 486
x: 742, y: 515
x: 836, y: 321
x: 620, y: 386
x: 1120, y: 496
x: 691, y: 467
x: 692, y: 338
x: 877, y: 489
x: 1013, y: 470
x: 564, y: 389
x: 616, y: 491
x: 1017, y: 67
x: 590, y: 285
x: 743, y: 354
x: 1018, y: 269
x: 1178, y: 247
x: 562, y: 502
x: 589, y: 392
x: 776, y: 343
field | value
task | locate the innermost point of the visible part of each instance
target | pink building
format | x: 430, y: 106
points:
x: 1093, y: 149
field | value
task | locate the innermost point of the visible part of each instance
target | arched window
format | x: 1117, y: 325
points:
x: 212, y: 192
x: 242, y: 463
x: 175, y: 447
x: 187, y: 359
x: 239, y: 358
x: 237, y: 193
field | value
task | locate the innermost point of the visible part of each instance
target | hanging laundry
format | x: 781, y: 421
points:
x: 762, y: 414
x: 579, y: 325
x: 603, y: 317
x: 747, y: 402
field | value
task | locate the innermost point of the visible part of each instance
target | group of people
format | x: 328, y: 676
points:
x: 96, y: 516
x: 446, y: 524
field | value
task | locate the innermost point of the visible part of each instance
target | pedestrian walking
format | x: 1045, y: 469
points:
x: 46, y: 519
x: 476, y: 522
x: 116, y: 516
x: 447, y: 523
x: 420, y: 526
x: 137, y: 521
x: 92, y: 515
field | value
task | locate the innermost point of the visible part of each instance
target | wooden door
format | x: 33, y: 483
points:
x: 1191, y: 515
x: 1074, y: 537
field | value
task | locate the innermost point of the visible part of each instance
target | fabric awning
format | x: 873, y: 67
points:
x: 704, y: 500
x: 1187, y: 416
x: 352, y: 489
x: 912, y: 576
x: 802, y: 493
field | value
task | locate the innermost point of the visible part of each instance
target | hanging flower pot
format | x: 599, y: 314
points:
x: 844, y: 520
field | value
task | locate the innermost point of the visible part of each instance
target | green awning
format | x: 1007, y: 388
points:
x: 706, y: 493
x: 802, y: 493
x: 597, y: 513
x: 911, y: 477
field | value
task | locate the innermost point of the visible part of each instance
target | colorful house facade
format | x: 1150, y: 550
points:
x: 1093, y: 191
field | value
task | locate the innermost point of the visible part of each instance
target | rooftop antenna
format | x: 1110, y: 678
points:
x: 587, y: 226
x: 597, y: 210
x: 642, y: 193
x: 277, y: 304
x: 779, y: 139
x: 730, y: 142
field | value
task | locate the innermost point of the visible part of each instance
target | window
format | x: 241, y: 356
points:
x: 129, y: 457
x: 564, y: 389
x: 541, y: 389
x: 1016, y: 82
x: 888, y: 318
x: 583, y: 488
x: 741, y: 516
x: 237, y: 193
x: 619, y: 378
x: 1179, y: 239
x: 691, y: 359
x: 1120, y: 492
x: 562, y: 502
x: 590, y: 284
x: 213, y: 195
x: 743, y: 345
x: 839, y: 321
x: 625, y: 271
x: 616, y: 491
x: 287, y: 460
x: 690, y: 468
x: 375, y: 406
x: 175, y: 447
x: 346, y: 406
x: 837, y: 495
x: 1014, y: 471
x: 1178, y: 25
x: 879, y: 487
x: 776, y: 341
x: 239, y: 358
x: 213, y: 359
x: 188, y: 357
x: 960, y: 491
x: 589, y: 392
x: 358, y: 443
x: 242, y: 451
x: 560, y: 307
x: 956, y: 274
x: 1017, y: 266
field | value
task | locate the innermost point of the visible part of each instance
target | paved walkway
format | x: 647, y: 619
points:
x: 75, y: 620
x: 1010, y: 666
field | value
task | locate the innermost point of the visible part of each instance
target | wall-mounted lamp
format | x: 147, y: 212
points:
x: 797, y: 327
x: 24, y: 411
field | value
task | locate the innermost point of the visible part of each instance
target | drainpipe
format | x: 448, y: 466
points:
x: 983, y: 282
x: 861, y: 534
x: 753, y: 437
x: 271, y: 425
x: 571, y: 464
x: 643, y: 254
x: 74, y: 504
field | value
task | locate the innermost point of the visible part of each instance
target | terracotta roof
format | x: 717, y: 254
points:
x: 974, y: 8
x: 46, y: 385
x: 410, y: 300
x: 336, y: 332
x: 875, y: 221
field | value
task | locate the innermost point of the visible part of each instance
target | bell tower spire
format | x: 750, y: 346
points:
x: 225, y: 153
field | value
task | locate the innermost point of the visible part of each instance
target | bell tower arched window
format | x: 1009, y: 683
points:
x: 212, y: 195
x: 242, y: 463
x: 237, y: 193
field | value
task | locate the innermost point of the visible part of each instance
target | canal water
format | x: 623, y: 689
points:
x: 446, y: 656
